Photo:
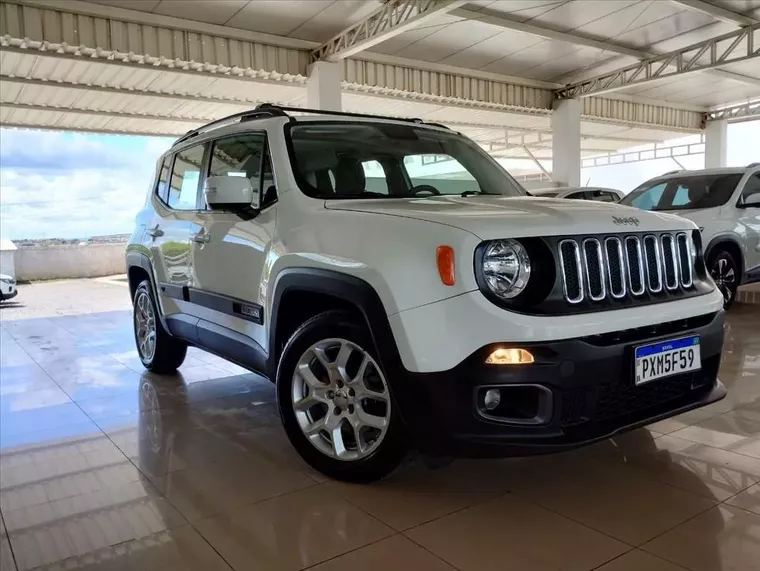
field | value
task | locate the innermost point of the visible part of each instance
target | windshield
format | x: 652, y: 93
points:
x: 684, y: 193
x: 388, y: 160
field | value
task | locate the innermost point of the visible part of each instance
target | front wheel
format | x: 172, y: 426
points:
x: 158, y: 350
x: 335, y: 401
x: 725, y: 272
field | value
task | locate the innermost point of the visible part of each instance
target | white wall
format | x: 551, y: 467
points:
x: 6, y: 263
x: 55, y: 262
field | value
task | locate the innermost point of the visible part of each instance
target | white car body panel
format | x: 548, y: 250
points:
x: 436, y: 338
x: 391, y: 244
x: 727, y: 222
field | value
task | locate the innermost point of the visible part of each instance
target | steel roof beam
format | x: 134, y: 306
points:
x: 734, y: 47
x: 389, y: 20
x: 717, y: 12
x: 742, y: 112
x: 503, y: 21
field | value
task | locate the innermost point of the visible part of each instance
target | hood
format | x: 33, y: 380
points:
x: 491, y: 217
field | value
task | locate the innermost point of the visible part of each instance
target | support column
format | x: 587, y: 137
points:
x: 323, y: 86
x: 716, y: 144
x: 566, y: 142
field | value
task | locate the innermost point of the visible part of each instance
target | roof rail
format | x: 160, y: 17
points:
x: 242, y: 116
x: 284, y: 110
x: 752, y: 165
x: 671, y: 172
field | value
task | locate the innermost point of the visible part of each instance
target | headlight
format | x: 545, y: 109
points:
x: 9, y: 281
x: 506, y: 268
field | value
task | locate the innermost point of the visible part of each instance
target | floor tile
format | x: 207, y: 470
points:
x: 691, y: 466
x: 204, y: 490
x: 512, y: 534
x: 55, y: 531
x: 637, y: 560
x: 7, y: 562
x: 291, y: 532
x: 417, y: 494
x: 749, y: 499
x: 723, y: 538
x: 728, y: 432
x: 396, y: 552
x: 178, y: 549
x: 605, y: 496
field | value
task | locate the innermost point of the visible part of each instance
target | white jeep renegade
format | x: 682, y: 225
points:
x: 725, y: 204
x: 404, y: 292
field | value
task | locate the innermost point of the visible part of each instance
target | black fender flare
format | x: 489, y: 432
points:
x: 348, y: 288
x: 140, y: 260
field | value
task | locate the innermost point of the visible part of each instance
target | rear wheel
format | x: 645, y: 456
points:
x: 725, y: 272
x: 159, y: 351
x: 335, y: 401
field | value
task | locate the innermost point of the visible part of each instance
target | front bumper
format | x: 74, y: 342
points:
x: 589, y: 388
x: 10, y: 295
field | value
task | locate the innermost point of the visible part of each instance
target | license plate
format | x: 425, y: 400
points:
x: 667, y: 358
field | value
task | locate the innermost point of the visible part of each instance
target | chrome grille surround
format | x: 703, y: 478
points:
x: 616, y: 267
x: 669, y: 261
x: 653, y: 257
x: 685, y: 270
x: 597, y: 258
x: 635, y: 290
x: 573, y: 257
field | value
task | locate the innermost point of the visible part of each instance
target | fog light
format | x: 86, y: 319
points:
x: 510, y: 357
x: 492, y: 398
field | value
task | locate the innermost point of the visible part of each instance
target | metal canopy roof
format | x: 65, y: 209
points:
x: 487, y: 68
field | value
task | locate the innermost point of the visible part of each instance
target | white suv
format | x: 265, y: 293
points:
x: 725, y: 204
x: 405, y: 293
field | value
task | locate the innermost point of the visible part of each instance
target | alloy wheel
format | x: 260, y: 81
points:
x: 723, y: 273
x: 145, y: 326
x: 341, y: 399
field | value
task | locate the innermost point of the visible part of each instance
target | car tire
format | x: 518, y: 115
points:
x: 331, y: 386
x: 158, y: 350
x: 725, y: 271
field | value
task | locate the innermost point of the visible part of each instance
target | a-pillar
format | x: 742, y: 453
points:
x: 716, y: 144
x: 566, y: 142
x: 323, y: 86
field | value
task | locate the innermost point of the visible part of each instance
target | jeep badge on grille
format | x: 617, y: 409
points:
x: 630, y: 221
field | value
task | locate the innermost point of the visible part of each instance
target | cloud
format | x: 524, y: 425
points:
x: 60, y: 185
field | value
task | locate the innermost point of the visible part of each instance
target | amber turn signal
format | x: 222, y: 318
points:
x: 444, y: 257
x: 503, y: 356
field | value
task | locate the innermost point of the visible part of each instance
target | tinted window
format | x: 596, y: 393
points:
x: 163, y: 177
x: 241, y: 155
x: 374, y: 174
x: 577, y: 196
x: 183, y: 191
x: 443, y: 172
x: 602, y: 196
x: 684, y: 193
x: 343, y: 160
x: 752, y: 186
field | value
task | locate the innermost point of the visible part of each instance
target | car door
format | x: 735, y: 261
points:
x: 175, y: 223
x: 230, y: 260
x: 749, y: 221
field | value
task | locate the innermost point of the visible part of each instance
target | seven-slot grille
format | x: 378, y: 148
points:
x: 616, y: 267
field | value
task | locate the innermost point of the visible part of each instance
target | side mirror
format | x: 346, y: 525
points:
x: 233, y: 193
x: 751, y: 201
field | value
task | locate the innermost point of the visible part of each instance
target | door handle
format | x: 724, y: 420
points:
x: 201, y: 237
x: 155, y: 232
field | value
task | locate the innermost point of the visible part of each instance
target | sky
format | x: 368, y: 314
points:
x: 73, y: 185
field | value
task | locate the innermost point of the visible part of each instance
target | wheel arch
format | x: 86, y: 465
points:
x: 730, y: 244
x: 330, y: 290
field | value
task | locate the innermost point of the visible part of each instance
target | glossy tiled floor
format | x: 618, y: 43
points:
x: 106, y: 467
